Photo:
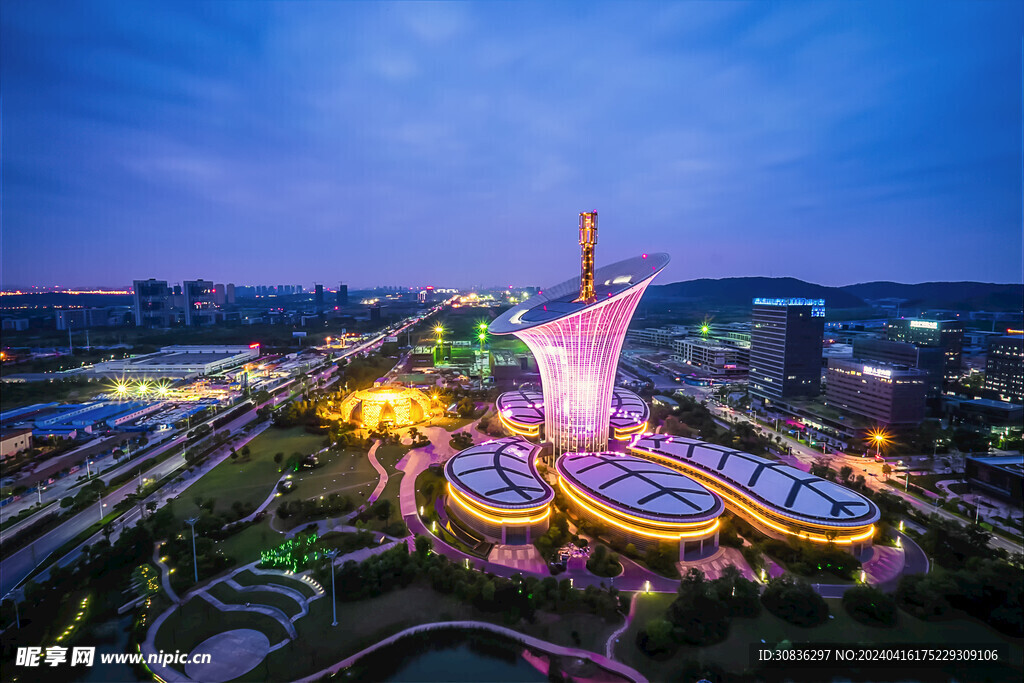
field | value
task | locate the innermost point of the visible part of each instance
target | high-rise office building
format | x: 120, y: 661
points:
x: 887, y: 394
x: 198, y: 303
x: 219, y: 295
x: 229, y: 293
x: 575, y: 331
x: 152, y: 303
x: 341, y: 298
x: 931, y: 359
x: 947, y: 335
x: 785, y: 348
x: 1004, y: 368
x: 318, y: 298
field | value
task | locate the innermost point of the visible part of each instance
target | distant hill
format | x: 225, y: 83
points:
x: 741, y: 291
x: 985, y: 296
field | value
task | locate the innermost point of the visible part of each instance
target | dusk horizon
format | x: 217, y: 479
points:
x: 387, y: 143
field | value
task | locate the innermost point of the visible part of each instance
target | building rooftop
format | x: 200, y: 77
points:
x: 559, y: 301
x: 640, y: 487
x: 1010, y: 463
x: 526, y: 407
x: 500, y: 473
x: 780, y: 486
x: 628, y: 409
x: 522, y: 406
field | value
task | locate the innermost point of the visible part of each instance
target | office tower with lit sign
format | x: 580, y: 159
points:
x: 785, y: 348
x: 947, y: 335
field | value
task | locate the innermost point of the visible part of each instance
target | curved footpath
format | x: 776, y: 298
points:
x: 612, y: 666
x: 372, y: 455
x: 609, y: 646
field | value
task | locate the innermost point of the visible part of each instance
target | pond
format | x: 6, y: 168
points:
x: 447, y: 655
x: 464, y: 663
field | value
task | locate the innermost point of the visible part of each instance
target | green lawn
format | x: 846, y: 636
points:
x: 363, y: 623
x: 248, y: 578
x: 249, y: 480
x: 231, y: 596
x: 732, y: 654
x: 347, y: 472
x: 245, y: 546
x: 197, y: 620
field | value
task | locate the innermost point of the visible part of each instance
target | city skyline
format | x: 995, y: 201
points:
x: 377, y: 143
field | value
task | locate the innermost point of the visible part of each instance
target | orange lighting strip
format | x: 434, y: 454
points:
x: 626, y: 432
x: 530, y: 431
x: 709, y: 528
x: 730, y: 494
x: 471, y: 507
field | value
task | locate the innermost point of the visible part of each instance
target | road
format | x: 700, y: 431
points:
x: 15, y: 567
x: 860, y: 465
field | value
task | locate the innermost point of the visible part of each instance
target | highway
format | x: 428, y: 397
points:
x: 15, y: 567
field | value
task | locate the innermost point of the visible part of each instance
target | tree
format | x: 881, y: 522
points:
x: 845, y: 472
x: 795, y: 601
x: 870, y: 606
x: 246, y: 451
x: 886, y: 470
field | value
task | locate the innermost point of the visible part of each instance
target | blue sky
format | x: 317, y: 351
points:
x: 455, y: 143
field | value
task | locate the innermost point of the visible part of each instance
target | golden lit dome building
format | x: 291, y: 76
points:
x: 390, y: 406
x: 637, y: 501
x: 495, y: 492
x: 777, y: 499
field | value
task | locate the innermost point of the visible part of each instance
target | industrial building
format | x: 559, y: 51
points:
x: 180, y: 361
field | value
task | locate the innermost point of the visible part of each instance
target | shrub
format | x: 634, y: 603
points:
x: 794, y: 601
x: 870, y: 606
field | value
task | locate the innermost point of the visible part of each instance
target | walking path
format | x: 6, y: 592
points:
x: 609, y: 647
x: 165, y: 575
x: 372, y: 455
x: 602, y: 661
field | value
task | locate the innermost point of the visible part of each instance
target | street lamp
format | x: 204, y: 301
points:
x: 191, y: 521
x: 13, y: 596
x: 331, y: 554
x: 102, y: 505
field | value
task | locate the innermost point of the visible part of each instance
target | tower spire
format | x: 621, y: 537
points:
x: 588, y: 238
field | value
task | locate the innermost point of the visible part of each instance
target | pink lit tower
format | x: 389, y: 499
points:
x: 575, y: 330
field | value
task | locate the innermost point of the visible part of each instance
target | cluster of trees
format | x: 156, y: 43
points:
x: 462, y: 440
x: 970, y: 576
x: 306, y: 412
x: 701, y: 613
x: 86, y: 495
x: 555, y: 537
x: 807, y: 559
x: 361, y: 371
x: 314, y: 508
x: 604, y: 563
x: 870, y: 606
x: 795, y: 601
x: 516, y: 598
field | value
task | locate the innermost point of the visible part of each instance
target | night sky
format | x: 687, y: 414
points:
x: 455, y: 144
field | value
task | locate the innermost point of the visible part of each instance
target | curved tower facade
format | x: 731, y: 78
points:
x: 576, y: 342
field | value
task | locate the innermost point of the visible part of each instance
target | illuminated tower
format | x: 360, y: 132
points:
x: 588, y: 238
x: 576, y: 340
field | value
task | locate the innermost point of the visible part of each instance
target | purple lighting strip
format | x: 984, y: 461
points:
x: 578, y: 356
